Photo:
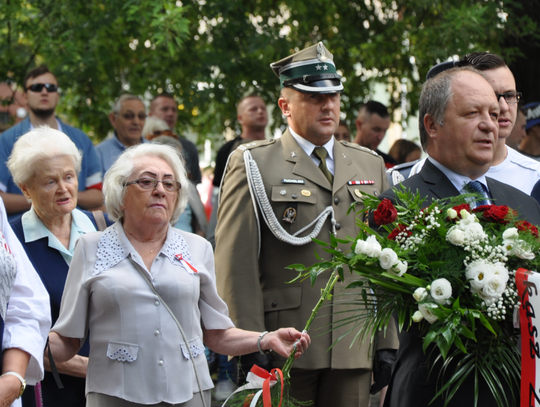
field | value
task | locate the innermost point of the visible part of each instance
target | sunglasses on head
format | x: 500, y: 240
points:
x: 38, y: 87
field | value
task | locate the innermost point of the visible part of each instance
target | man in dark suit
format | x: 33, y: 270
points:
x: 458, y: 113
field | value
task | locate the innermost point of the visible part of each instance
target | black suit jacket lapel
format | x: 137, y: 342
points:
x: 438, y: 183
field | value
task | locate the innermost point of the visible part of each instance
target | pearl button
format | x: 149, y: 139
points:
x: 156, y: 303
x: 156, y: 333
x: 160, y: 363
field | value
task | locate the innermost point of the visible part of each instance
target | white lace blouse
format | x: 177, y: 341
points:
x: 136, y: 350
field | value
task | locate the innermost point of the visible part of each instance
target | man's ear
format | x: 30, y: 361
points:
x: 431, y: 126
x: 359, y: 124
x: 112, y: 119
x: 285, y: 106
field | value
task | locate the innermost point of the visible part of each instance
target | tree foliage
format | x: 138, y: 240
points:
x: 211, y: 53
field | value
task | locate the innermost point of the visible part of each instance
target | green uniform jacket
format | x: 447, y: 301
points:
x: 254, y: 287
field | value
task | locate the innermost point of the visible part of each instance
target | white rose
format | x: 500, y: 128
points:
x: 373, y: 247
x: 425, y: 309
x: 510, y: 234
x: 456, y: 236
x: 451, y: 213
x: 474, y: 231
x: 388, y: 258
x: 525, y: 254
x: 420, y: 294
x: 478, y: 272
x: 464, y: 214
x: 441, y: 290
x: 400, y: 268
x: 494, y: 287
x: 360, y: 247
x: 418, y: 316
x: 500, y: 270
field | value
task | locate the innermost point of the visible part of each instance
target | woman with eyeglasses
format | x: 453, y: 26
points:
x: 45, y: 164
x: 145, y: 293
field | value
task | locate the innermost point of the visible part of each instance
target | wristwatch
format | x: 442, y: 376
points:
x: 18, y: 376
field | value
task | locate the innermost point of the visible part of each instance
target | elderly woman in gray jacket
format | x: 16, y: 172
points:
x: 145, y: 293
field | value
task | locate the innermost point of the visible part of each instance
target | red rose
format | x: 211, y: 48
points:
x: 385, y: 213
x: 497, y: 214
x: 401, y: 228
x: 482, y: 208
x: 523, y: 225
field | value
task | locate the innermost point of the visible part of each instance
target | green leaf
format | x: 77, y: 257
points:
x: 459, y: 343
x: 430, y: 337
x: 486, y: 323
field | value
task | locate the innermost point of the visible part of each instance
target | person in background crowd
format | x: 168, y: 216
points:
x: 41, y: 92
x: 530, y: 146
x: 342, y: 133
x: 371, y: 125
x: 164, y: 107
x: 405, y: 151
x: 518, y: 132
x: 253, y: 118
x: 303, y: 172
x: 25, y: 318
x: 127, y: 118
x: 458, y: 121
x: 508, y: 165
x: 145, y: 294
x: 45, y: 164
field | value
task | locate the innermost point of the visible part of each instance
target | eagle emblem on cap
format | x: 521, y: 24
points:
x: 321, y: 53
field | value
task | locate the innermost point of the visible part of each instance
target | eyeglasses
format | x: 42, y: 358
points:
x: 150, y: 183
x: 38, y: 87
x: 510, y: 97
x: 131, y: 116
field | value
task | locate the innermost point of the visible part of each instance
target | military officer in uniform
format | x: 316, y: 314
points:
x: 276, y: 196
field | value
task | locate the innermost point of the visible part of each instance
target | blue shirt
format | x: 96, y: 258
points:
x: 34, y: 229
x: 90, y: 174
x: 109, y: 150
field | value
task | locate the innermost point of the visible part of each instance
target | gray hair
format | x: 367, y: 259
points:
x: 152, y: 124
x: 123, y: 168
x: 117, y: 107
x: 435, y: 96
x: 39, y: 144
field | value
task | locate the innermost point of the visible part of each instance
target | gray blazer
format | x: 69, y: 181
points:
x: 136, y: 350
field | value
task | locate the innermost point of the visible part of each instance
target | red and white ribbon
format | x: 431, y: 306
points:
x: 528, y: 285
x: 186, y: 265
x: 258, y: 378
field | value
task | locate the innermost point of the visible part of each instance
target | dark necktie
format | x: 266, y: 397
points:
x: 321, y: 154
x: 478, y: 188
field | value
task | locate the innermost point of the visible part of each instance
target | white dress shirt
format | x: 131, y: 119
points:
x: 28, y: 317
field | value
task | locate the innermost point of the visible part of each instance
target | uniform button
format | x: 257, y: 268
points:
x: 156, y: 303
x: 156, y: 333
x: 282, y: 192
x: 338, y: 226
x: 274, y: 304
x: 160, y: 363
x: 294, y: 196
x: 336, y: 201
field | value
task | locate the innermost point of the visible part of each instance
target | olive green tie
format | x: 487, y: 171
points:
x: 321, y: 154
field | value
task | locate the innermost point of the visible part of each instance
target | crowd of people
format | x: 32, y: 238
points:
x: 109, y: 283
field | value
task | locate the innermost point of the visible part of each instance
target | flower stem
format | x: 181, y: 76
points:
x: 324, y: 295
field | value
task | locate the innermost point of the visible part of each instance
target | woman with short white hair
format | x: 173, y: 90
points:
x: 145, y: 293
x: 45, y: 164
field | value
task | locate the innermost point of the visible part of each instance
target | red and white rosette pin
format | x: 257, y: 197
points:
x: 261, y: 380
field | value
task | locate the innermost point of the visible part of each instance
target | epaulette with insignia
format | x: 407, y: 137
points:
x: 253, y: 144
x: 358, y: 147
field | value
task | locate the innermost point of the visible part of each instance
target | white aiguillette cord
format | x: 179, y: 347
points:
x: 256, y: 188
x: 147, y: 279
